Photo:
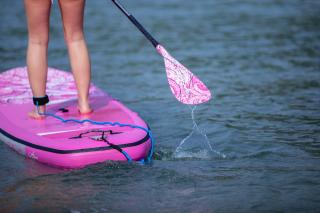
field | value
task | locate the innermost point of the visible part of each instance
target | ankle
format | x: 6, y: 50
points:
x: 40, y: 109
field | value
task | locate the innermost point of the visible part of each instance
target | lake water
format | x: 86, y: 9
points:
x: 261, y: 59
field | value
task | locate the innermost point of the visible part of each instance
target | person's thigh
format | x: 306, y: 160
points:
x: 72, y: 18
x: 38, y: 17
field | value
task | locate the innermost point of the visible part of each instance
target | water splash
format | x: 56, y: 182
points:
x: 203, y: 154
x: 180, y: 153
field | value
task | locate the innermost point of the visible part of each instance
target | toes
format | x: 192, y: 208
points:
x: 35, y: 115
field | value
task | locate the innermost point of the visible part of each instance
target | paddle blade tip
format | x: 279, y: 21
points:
x: 192, y: 99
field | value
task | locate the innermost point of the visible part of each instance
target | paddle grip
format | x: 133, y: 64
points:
x: 136, y: 23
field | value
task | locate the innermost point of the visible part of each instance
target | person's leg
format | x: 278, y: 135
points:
x: 72, y: 16
x: 38, y: 13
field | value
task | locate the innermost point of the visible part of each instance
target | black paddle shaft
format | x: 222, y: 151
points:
x: 136, y: 23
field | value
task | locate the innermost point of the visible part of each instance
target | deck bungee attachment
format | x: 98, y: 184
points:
x: 116, y: 147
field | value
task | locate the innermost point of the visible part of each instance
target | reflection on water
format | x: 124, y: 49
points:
x: 261, y: 61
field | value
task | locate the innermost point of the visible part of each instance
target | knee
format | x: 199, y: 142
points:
x: 71, y: 37
x: 39, y: 40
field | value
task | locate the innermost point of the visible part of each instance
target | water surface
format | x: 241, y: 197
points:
x: 261, y: 59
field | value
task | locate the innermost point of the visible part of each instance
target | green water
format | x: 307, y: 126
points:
x: 261, y: 59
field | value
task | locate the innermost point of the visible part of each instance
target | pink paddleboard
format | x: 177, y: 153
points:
x: 67, y: 145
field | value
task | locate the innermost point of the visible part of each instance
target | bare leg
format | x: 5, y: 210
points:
x: 72, y: 17
x: 37, y: 12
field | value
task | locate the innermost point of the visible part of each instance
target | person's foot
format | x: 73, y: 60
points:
x: 35, y: 113
x: 84, y: 107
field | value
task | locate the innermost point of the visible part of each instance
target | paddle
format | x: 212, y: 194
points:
x: 185, y: 86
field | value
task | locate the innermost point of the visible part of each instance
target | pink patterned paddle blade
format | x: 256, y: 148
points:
x: 184, y: 85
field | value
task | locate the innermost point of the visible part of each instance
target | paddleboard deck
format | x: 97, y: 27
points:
x: 71, y: 144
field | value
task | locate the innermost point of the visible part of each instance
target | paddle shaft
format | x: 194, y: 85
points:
x: 136, y: 23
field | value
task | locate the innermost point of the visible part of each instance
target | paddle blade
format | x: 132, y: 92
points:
x: 184, y: 85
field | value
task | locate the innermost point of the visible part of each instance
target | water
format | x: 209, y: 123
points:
x: 262, y: 61
x: 179, y: 153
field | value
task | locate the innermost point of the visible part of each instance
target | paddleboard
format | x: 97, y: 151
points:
x: 71, y: 144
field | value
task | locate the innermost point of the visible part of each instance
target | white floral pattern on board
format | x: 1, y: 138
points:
x: 15, y: 88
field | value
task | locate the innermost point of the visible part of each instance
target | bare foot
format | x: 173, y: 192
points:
x: 84, y: 107
x: 35, y: 113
